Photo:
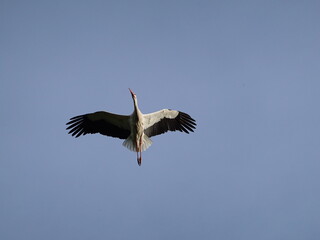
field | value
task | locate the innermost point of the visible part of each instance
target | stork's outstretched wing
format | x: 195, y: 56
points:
x: 167, y: 120
x: 105, y: 123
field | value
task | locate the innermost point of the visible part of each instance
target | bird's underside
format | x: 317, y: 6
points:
x: 136, y: 129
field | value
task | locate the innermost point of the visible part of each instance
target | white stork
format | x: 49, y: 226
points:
x: 136, y: 128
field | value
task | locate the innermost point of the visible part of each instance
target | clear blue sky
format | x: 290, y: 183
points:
x: 247, y: 71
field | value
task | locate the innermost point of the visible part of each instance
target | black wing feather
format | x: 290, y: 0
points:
x: 82, y: 125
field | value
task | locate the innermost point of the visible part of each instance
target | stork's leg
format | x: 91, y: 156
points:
x: 139, y: 149
x: 139, y: 158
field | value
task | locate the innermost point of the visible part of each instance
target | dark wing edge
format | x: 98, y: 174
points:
x: 99, y: 122
x: 182, y: 122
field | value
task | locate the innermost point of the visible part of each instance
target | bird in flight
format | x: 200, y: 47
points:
x: 136, y: 129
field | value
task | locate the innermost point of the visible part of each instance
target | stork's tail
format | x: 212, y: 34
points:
x: 146, y: 143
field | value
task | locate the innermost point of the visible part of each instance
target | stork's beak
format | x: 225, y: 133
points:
x: 132, y: 93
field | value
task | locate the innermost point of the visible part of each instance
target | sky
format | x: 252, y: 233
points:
x: 247, y: 71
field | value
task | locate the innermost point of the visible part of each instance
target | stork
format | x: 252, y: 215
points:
x: 136, y: 128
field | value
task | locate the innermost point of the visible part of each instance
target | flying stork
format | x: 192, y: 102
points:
x: 136, y: 128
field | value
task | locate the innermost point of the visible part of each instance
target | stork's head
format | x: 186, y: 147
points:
x: 134, y: 98
x: 133, y: 94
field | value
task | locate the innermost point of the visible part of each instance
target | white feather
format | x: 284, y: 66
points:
x: 146, y: 143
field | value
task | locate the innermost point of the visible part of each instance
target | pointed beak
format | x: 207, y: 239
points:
x: 132, y: 93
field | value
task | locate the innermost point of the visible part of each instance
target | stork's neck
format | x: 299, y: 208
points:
x: 136, y: 108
